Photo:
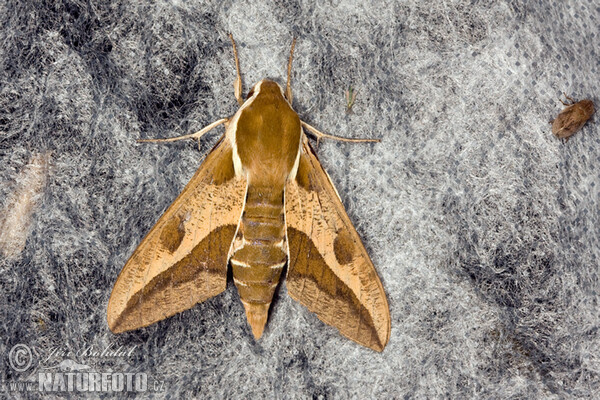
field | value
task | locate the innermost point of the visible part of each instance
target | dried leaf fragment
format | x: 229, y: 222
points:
x: 350, y: 95
x: 17, y: 214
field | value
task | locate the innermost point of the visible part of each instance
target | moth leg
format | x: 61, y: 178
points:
x: 321, y: 135
x: 237, y: 84
x: 288, y: 86
x: 195, y: 135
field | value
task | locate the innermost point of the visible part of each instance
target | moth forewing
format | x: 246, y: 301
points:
x: 329, y: 269
x: 183, y: 259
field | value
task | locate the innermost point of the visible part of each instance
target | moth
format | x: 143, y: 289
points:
x: 260, y: 201
x: 572, y: 118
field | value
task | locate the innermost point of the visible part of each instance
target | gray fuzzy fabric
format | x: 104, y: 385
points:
x: 482, y: 226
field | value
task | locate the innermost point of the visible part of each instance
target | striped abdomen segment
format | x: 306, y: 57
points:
x: 258, y: 254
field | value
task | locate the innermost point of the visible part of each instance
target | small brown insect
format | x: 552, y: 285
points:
x: 572, y: 118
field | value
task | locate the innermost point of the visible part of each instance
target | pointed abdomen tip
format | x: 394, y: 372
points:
x: 257, y: 314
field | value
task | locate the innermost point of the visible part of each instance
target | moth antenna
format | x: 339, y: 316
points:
x: 569, y: 98
x: 237, y: 84
x: 288, y: 86
x: 320, y: 135
x: 195, y: 135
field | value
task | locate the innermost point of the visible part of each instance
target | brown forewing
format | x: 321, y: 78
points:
x: 329, y: 269
x: 183, y: 259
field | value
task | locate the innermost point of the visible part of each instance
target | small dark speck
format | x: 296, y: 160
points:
x: 518, y: 64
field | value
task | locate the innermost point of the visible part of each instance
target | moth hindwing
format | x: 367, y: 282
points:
x: 260, y: 201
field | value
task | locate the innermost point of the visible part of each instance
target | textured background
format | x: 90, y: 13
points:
x: 483, y: 227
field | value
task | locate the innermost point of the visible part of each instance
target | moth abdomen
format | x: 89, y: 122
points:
x: 258, y: 254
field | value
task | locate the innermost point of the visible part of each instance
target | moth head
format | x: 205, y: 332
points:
x: 266, y: 86
x: 587, y: 106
